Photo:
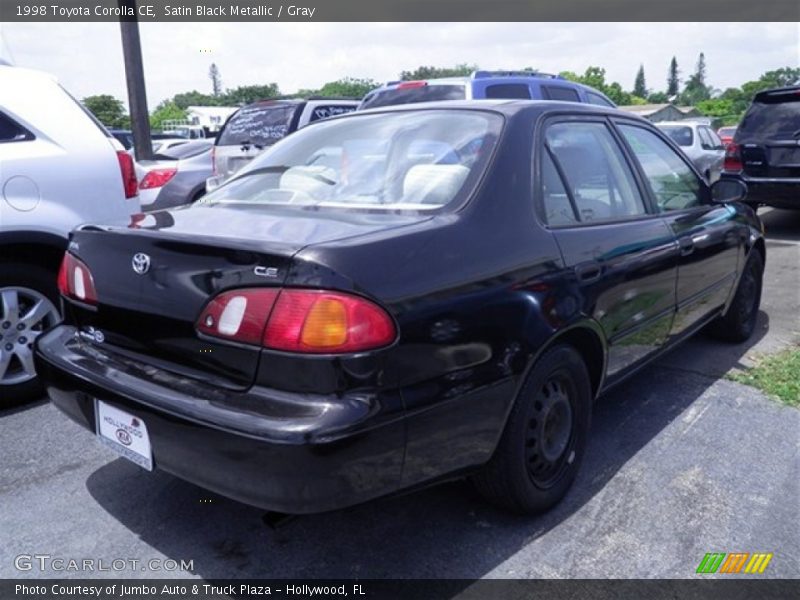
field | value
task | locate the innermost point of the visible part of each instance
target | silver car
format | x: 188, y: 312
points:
x: 177, y: 175
x: 700, y: 143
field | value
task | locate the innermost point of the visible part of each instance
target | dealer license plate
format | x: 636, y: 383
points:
x: 124, y: 434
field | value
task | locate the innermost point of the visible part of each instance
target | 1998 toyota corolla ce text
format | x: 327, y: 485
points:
x: 400, y: 296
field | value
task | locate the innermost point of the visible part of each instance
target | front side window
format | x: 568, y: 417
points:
x: 417, y: 160
x: 597, y: 177
x: 673, y: 182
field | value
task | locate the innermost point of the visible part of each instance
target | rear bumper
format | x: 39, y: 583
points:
x: 780, y: 193
x: 290, y: 453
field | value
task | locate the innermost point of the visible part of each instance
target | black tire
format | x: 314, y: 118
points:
x: 43, y: 281
x: 738, y: 324
x: 526, y: 474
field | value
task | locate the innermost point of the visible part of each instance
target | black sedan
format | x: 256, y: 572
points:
x: 400, y: 296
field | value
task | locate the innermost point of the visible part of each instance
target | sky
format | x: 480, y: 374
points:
x: 87, y: 57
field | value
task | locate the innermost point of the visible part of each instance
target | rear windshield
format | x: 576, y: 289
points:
x: 772, y: 117
x: 259, y: 125
x: 426, y: 93
x: 681, y: 135
x: 417, y: 161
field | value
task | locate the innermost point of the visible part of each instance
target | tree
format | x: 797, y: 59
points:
x: 639, y: 86
x: 167, y: 110
x: 435, y: 72
x: 673, y: 79
x: 349, y: 87
x: 108, y: 110
x: 216, y: 79
x: 658, y: 98
x: 195, y: 98
x: 245, y: 94
x: 697, y: 89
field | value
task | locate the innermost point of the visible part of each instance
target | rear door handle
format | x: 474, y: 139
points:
x: 686, y: 244
x: 589, y: 271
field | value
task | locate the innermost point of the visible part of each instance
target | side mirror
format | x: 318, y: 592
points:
x: 728, y: 190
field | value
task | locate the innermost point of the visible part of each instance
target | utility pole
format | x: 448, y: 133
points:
x: 134, y: 77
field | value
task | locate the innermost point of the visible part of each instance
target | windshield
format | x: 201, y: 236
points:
x: 772, y: 117
x: 415, y: 160
x: 681, y: 135
x: 258, y: 124
x: 425, y: 93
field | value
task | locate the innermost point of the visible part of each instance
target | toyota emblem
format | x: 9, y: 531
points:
x: 141, y: 263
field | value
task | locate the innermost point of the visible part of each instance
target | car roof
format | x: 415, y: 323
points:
x: 495, y: 77
x: 507, y: 107
x: 679, y: 123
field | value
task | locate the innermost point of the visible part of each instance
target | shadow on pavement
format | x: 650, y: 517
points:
x: 781, y: 225
x: 442, y: 532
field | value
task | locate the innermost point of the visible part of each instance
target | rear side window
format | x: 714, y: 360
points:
x: 558, y: 208
x: 770, y: 117
x: 705, y: 138
x: 598, y: 180
x: 411, y: 95
x: 714, y: 140
x: 598, y: 100
x: 330, y: 110
x: 674, y: 184
x: 557, y: 92
x: 259, y: 125
x: 508, y: 90
x: 10, y: 131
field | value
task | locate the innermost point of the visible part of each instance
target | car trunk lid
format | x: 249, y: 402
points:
x: 152, y: 311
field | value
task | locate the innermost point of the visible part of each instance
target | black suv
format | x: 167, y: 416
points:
x: 765, y: 153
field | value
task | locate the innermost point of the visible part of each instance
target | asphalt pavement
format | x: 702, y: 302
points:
x: 681, y: 462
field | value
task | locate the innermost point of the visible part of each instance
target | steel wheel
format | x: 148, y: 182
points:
x: 26, y: 313
x: 548, y: 445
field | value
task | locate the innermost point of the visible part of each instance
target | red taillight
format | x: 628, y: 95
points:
x: 406, y: 85
x: 305, y: 321
x: 75, y: 280
x: 733, y: 158
x: 240, y: 315
x: 128, y: 174
x: 157, y: 177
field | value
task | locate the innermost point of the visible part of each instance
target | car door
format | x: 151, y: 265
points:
x: 618, y: 253
x: 708, y: 234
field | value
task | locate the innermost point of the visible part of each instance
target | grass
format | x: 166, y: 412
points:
x: 776, y: 374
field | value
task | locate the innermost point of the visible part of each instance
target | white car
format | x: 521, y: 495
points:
x: 59, y: 168
x: 699, y: 143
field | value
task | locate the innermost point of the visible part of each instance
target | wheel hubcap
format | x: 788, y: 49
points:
x: 26, y: 313
x: 550, y: 432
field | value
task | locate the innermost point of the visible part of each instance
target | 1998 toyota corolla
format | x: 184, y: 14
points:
x: 396, y: 297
